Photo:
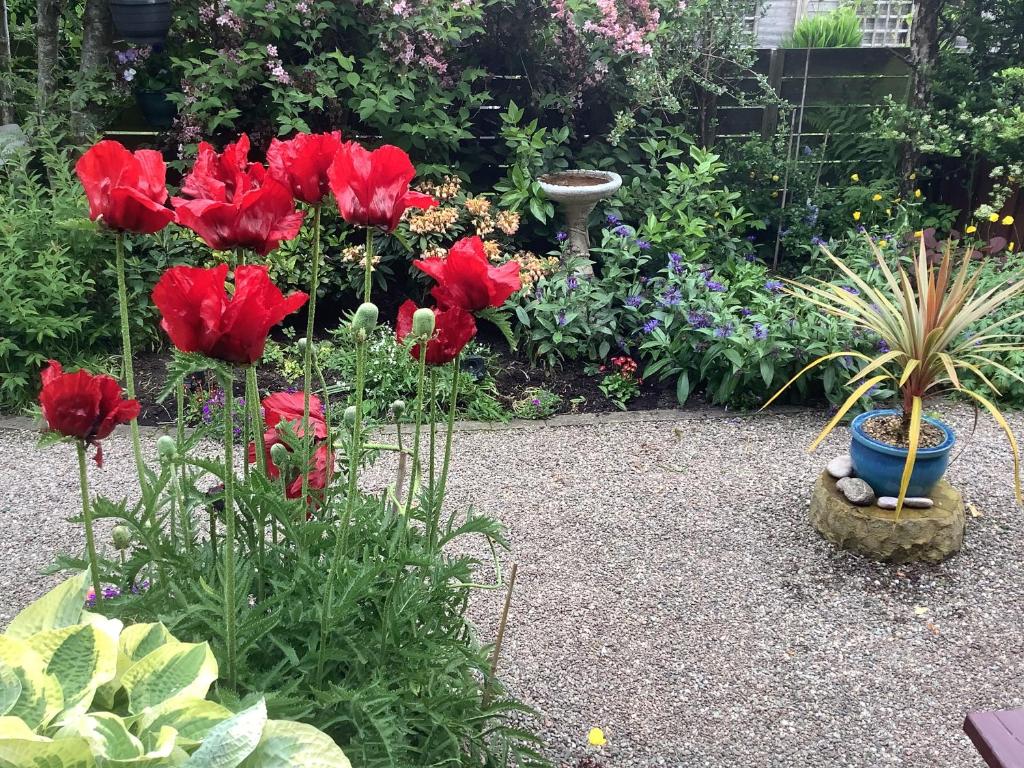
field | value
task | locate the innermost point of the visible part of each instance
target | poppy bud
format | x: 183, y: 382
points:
x: 365, y: 317
x: 166, y: 449
x: 279, y: 455
x: 423, y: 323
x: 122, y: 537
x: 350, y: 415
x: 301, y: 344
x: 398, y: 408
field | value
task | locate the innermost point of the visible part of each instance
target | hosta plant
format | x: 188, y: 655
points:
x: 78, y: 690
x: 934, y: 340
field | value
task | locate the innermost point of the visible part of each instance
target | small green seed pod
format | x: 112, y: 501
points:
x: 166, y: 449
x: 365, y: 317
x: 279, y: 455
x: 423, y: 323
x: 398, y: 408
x: 350, y: 415
x: 122, y: 537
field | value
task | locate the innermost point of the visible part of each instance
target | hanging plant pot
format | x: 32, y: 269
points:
x: 144, y: 22
x: 157, y: 110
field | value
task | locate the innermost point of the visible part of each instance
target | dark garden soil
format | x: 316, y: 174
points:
x: 889, y: 430
x: 513, y: 377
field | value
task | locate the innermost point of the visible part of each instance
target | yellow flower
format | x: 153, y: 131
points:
x: 919, y: 233
x: 971, y: 229
x: 876, y: 197
x: 775, y: 177
x: 1011, y: 246
x: 856, y: 215
x: 888, y: 211
x: 596, y: 737
x: 993, y: 217
x: 855, y: 177
x: 882, y: 243
x: 913, y: 176
x: 1007, y: 221
x: 917, y: 193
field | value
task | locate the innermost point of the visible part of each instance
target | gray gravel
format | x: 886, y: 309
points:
x: 671, y: 592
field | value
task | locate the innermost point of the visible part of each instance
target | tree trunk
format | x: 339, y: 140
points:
x: 97, y: 34
x: 924, y: 53
x: 6, y: 69
x: 47, y: 51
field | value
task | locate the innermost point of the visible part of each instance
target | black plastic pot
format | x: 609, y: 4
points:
x: 141, y: 21
x: 157, y: 110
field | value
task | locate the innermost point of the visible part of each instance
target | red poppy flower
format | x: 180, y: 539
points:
x: 200, y: 316
x: 126, y: 191
x: 372, y: 188
x: 258, y: 219
x: 287, y: 407
x: 466, y: 278
x: 84, y: 405
x: 222, y: 176
x: 302, y: 162
x: 453, y: 329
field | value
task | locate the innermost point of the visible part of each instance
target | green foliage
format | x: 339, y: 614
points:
x: 392, y: 374
x: 77, y: 689
x: 839, y: 28
x: 57, y: 270
x: 532, y: 151
x: 536, y: 403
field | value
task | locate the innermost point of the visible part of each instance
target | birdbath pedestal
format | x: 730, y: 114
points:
x: 577, y: 192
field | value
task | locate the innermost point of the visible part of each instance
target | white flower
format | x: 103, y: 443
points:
x: 129, y: 75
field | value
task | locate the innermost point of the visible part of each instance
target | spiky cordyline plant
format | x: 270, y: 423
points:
x: 925, y: 323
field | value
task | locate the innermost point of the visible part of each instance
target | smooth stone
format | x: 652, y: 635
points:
x: 856, y: 491
x: 914, y: 502
x: 841, y: 466
x: 928, y: 535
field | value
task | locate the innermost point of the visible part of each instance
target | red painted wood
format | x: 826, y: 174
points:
x: 998, y: 737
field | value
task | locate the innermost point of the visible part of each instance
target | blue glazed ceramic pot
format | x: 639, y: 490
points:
x: 881, y: 465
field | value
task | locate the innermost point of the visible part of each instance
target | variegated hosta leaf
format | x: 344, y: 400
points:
x: 40, y: 699
x: 81, y: 657
x: 10, y: 688
x: 191, y: 718
x: 172, y: 671
x: 233, y: 740
x: 62, y: 606
x: 135, y: 642
x: 48, y: 753
x: 15, y: 728
x: 114, y: 746
x: 286, y: 744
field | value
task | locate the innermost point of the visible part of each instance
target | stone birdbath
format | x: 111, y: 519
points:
x: 577, y: 192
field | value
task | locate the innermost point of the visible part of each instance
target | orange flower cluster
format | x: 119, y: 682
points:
x: 433, y: 220
x: 507, y: 222
x: 478, y: 206
x: 533, y: 267
x: 446, y: 190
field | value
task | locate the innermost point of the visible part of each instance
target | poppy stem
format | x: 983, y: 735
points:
x: 330, y: 434
x: 307, y: 363
x: 433, y: 426
x: 229, y: 526
x: 341, y: 545
x: 368, y: 270
x: 90, y: 542
x: 126, y: 351
x: 416, y: 431
x: 186, y: 515
x: 452, y: 406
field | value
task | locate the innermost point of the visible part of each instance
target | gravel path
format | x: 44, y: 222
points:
x: 671, y: 591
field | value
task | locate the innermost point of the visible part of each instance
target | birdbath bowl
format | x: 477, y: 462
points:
x: 577, y: 192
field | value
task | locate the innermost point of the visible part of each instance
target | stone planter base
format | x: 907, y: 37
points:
x: 928, y: 535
